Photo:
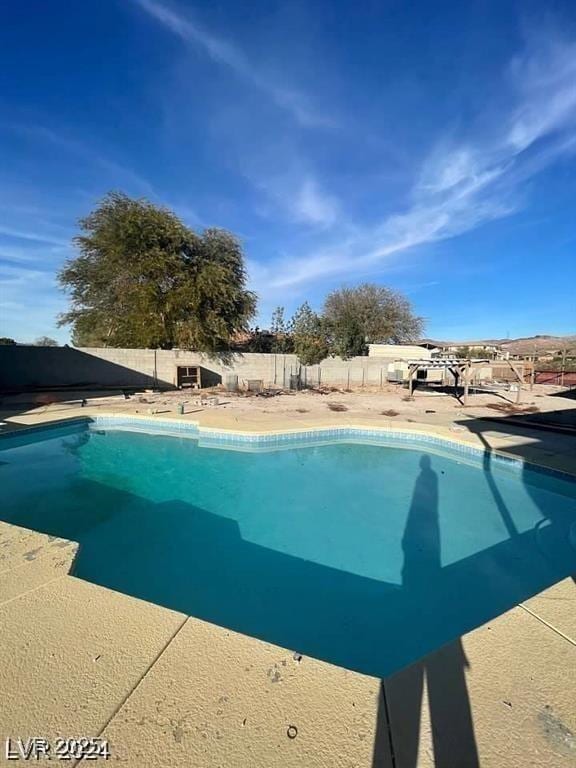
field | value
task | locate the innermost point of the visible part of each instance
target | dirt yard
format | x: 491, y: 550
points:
x: 427, y: 405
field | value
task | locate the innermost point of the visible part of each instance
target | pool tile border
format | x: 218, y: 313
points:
x: 283, y: 438
x: 320, y: 435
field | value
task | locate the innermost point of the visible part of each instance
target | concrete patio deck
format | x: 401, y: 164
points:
x: 170, y: 690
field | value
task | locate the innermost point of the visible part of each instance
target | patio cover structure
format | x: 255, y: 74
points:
x: 461, y: 369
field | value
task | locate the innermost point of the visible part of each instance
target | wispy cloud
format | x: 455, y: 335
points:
x: 32, y: 235
x: 299, y: 196
x: 21, y: 276
x: 460, y: 186
x: 315, y: 206
x: 546, y: 80
x: 225, y: 54
x: 118, y: 174
x: 29, y: 231
x: 187, y: 214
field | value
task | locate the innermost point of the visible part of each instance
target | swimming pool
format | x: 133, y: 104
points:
x: 361, y: 549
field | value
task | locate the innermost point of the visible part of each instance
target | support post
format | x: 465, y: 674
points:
x: 466, y: 382
x: 411, y: 371
x: 454, y: 372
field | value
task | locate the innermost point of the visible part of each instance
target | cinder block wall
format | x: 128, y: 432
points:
x: 271, y: 369
x: 161, y: 365
x: 24, y: 368
x: 28, y: 368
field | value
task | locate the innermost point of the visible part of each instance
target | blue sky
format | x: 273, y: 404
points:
x: 426, y: 146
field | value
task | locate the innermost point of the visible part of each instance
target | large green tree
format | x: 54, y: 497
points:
x: 368, y: 314
x: 143, y: 279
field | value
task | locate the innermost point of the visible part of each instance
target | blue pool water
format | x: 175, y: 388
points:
x: 367, y: 556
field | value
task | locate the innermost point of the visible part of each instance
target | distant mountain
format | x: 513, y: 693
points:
x: 526, y: 345
x: 539, y: 344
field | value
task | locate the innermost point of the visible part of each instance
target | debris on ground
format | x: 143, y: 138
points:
x: 207, y: 401
x: 269, y: 392
x: 339, y: 407
x: 324, y: 390
x: 389, y: 412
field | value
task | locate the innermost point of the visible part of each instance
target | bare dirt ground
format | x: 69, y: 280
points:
x: 428, y: 405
